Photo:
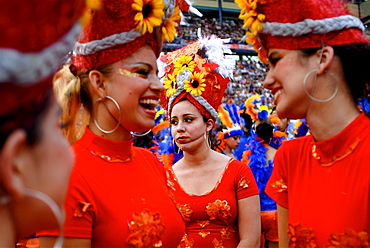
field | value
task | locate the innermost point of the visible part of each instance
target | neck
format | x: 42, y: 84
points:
x: 120, y: 134
x: 329, y: 119
x: 198, y: 157
x: 7, y: 234
x: 228, y: 151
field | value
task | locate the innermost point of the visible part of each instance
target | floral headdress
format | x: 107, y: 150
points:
x: 121, y: 27
x: 198, y: 72
x: 230, y: 119
x: 279, y: 24
x: 33, y: 44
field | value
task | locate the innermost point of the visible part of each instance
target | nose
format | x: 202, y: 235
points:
x: 269, y: 80
x: 180, y: 128
x: 156, y: 84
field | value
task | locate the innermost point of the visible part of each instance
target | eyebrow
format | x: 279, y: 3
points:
x: 272, y: 54
x: 137, y: 64
x: 279, y: 53
x: 185, y: 115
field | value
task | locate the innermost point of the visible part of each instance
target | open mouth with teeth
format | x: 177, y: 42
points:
x: 148, y: 103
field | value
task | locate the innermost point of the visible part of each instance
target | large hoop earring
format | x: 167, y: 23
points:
x: 315, y: 99
x: 141, y: 134
x: 119, y: 116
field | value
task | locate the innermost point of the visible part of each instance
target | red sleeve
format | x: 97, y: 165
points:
x: 245, y: 183
x: 276, y: 187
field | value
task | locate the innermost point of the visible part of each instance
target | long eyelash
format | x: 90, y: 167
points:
x: 143, y: 72
x: 63, y: 125
x: 273, y: 61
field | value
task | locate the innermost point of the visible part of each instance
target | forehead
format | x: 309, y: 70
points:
x: 143, y: 54
x: 184, y: 108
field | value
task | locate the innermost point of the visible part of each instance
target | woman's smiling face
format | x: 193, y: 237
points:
x: 134, y: 84
x: 288, y: 69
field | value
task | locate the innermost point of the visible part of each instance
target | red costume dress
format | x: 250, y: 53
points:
x: 119, y: 204
x: 328, y: 203
x: 212, y: 218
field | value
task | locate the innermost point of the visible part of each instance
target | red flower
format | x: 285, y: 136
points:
x: 218, y: 209
x: 146, y: 229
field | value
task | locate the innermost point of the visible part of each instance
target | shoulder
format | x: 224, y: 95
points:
x: 238, y: 167
x: 143, y: 154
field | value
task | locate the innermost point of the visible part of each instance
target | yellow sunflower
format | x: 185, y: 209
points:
x: 246, y: 5
x: 195, y: 86
x: 253, y: 20
x: 149, y: 16
x: 169, y: 27
x: 182, y: 63
x: 170, y: 85
x: 86, y: 15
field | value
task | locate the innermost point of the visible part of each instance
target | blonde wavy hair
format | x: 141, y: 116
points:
x: 75, y: 116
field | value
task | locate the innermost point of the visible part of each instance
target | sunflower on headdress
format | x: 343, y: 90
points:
x: 170, y: 85
x: 149, y: 16
x: 195, y: 86
x: 169, y: 27
x: 184, y: 63
x: 86, y: 16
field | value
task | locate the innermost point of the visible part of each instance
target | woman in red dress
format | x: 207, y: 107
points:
x: 319, y: 60
x: 117, y: 195
x: 217, y: 195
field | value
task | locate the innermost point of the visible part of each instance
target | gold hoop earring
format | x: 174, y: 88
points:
x: 315, y: 99
x: 119, y: 118
x: 141, y: 134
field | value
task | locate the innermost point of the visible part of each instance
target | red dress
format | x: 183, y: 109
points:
x: 212, y: 218
x: 328, y: 205
x: 123, y: 204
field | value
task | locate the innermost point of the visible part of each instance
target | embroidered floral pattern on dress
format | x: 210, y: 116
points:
x: 82, y: 208
x: 28, y: 243
x: 349, y: 238
x: 185, y: 211
x: 170, y: 182
x: 188, y: 243
x: 204, y: 233
x: 225, y: 232
x: 243, y: 183
x: 203, y: 223
x: 280, y: 185
x: 146, y: 230
x: 217, y: 244
x: 218, y: 209
x: 301, y: 237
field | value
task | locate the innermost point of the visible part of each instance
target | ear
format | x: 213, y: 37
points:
x: 327, y: 55
x: 210, y: 124
x: 97, y: 82
x: 10, y: 175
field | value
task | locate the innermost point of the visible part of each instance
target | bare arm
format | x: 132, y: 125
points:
x: 249, y: 222
x: 283, y: 226
x: 48, y: 242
